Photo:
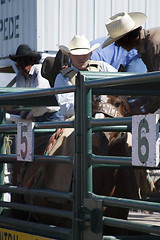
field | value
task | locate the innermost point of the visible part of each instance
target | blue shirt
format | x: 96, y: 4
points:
x: 116, y: 55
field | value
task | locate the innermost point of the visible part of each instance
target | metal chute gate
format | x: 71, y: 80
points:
x: 86, y: 205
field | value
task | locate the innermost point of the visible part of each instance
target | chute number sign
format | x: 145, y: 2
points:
x: 145, y: 140
x: 25, y: 141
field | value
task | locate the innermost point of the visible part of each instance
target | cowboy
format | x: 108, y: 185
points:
x: 79, y: 53
x: 125, y: 29
x: 29, y: 75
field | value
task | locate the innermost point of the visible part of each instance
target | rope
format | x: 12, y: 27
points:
x: 8, y: 144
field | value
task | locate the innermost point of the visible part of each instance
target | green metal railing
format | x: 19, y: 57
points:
x: 86, y: 205
x: 125, y: 85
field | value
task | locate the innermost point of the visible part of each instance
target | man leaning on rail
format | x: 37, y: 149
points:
x: 125, y: 29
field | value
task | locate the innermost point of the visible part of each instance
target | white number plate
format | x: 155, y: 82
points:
x: 25, y: 141
x: 145, y: 140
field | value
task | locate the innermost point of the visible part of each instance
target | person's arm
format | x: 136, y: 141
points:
x: 65, y: 100
x: 36, y: 82
x: 105, y: 67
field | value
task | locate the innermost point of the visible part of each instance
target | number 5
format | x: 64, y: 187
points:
x: 24, y: 140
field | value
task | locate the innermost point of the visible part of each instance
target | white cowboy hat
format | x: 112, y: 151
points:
x: 79, y: 45
x: 121, y: 24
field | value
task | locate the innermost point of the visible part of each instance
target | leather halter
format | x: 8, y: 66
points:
x: 110, y: 110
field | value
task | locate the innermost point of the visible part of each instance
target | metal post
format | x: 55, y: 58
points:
x: 2, y: 120
x: 82, y: 183
x: 77, y: 234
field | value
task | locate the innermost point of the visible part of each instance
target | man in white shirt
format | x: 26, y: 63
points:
x: 79, y: 53
x: 29, y: 75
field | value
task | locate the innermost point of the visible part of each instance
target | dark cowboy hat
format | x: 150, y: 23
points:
x: 47, y: 70
x: 51, y: 66
x: 24, y: 51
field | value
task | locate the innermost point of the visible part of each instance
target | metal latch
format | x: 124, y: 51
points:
x: 92, y: 216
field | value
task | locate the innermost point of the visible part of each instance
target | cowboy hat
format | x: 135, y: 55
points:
x: 121, y: 24
x: 51, y: 66
x: 24, y: 51
x: 79, y: 45
x: 47, y: 69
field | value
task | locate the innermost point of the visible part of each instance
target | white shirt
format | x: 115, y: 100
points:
x: 35, y: 80
x: 66, y: 100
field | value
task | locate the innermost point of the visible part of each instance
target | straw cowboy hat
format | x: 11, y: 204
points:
x: 79, y: 45
x: 121, y: 24
x: 24, y: 51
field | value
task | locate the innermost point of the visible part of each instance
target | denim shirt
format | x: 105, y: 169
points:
x: 116, y: 55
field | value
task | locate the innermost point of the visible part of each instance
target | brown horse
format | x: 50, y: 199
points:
x: 114, y: 182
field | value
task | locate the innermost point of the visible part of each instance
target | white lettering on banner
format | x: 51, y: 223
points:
x: 25, y: 141
x: 145, y: 140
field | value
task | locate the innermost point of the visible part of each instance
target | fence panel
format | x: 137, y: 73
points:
x: 87, y: 206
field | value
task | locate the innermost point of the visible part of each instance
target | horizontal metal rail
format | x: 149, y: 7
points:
x: 37, y: 192
x: 11, y: 158
x: 126, y: 224
x: 36, y: 93
x: 127, y: 203
x: 112, y: 129
x: 123, y: 161
x: 132, y: 237
x: 34, y: 228
x: 37, y: 209
x: 153, y: 77
x: 110, y: 122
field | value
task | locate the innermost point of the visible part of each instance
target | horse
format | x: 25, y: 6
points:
x: 106, y: 181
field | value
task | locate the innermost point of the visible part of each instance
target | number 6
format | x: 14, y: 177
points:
x: 142, y: 141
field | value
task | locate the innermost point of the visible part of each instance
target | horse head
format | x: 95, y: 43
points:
x: 108, y: 106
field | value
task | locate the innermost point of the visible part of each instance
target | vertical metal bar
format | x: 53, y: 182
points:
x: 77, y: 234
x: 83, y: 146
x: 87, y: 140
x: 2, y: 120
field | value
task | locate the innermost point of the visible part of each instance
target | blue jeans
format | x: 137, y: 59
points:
x: 50, y: 117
